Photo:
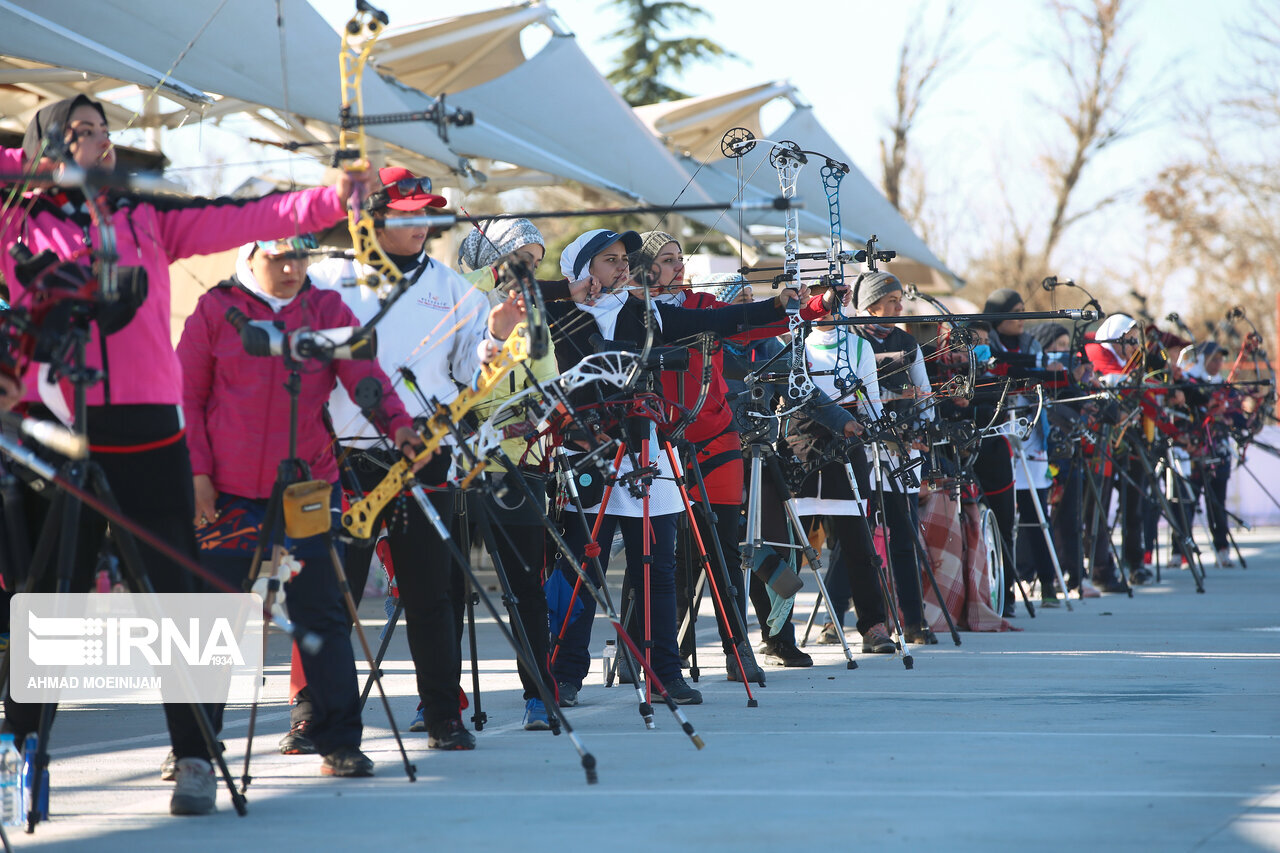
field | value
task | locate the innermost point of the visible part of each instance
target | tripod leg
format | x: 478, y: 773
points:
x: 512, y: 603
x: 382, y: 650
x: 591, y: 553
x: 601, y: 597
x: 420, y: 497
x: 1044, y: 523
x: 131, y: 561
x: 734, y: 638
x: 1188, y: 544
x: 409, y: 769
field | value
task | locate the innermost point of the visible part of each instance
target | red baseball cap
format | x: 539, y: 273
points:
x: 406, y: 191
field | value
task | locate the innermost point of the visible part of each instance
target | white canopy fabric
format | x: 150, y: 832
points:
x: 230, y: 48
x: 695, y: 126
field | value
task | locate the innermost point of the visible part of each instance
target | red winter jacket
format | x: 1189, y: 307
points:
x: 235, y: 404
x: 139, y: 359
x: 683, y: 387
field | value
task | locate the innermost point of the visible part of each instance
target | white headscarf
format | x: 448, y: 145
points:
x: 247, y: 278
x: 1114, y: 327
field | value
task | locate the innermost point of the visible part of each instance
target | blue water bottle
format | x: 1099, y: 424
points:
x: 28, y: 780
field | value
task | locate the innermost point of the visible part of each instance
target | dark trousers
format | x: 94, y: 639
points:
x: 861, y: 567
x: 726, y: 529
x: 573, y: 658
x: 520, y: 544
x: 901, y: 518
x: 314, y: 601
x: 1216, y: 478
x: 428, y: 582
x: 1067, y: 522
x: 153, y: 489
x: 1034, y: 559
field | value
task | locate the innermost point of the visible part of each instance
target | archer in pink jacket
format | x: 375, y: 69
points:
x: 235, y: 404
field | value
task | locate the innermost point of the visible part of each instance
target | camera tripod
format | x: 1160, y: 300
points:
x: 81, y: 484
x: 299, y: 508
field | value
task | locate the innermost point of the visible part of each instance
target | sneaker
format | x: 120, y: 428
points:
x: 828, y: 636
x: 419, y: 723
x: 1112, y: 585
x: 1224, y: 559
x: 535, y: 716
x: 298, y: 740
x: 785, y: 654
x: 681, y: 692
x: 876, y: 641
x: 568, y: 694
x: 754, y: 673
x: 169, y: 767
x: 1088, y: 590
x: 1010, y: 609
x: 922, y: 636
x: 1050, y: 601
x: 451, y: 734
x: 195, y: 789
x: 1147, y: 558
x: 346, y: 761
x: 1140, y: 576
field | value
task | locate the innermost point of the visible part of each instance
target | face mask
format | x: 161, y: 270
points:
x: 982, y: 354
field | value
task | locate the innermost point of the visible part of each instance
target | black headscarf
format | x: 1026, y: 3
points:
x: 52, y: 121
x: 1002, y: 301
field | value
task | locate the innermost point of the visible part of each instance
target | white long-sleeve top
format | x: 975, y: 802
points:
x: 435, y: 329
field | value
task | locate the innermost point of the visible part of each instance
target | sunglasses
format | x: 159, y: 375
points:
x: 293, y: 248
x: 410, y: 186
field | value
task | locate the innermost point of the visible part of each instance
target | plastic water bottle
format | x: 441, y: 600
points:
x: 608, y: 656
x: 29, y: 780
x: 10, y: 782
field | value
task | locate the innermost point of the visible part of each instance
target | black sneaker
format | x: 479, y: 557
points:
x: 450, y: 735
x: 347, y: 761
x: 922, y: 636
x: 754, y: 673
x: 298, y: 741
x: 169, y: 767
x: 1141, y: 575
x: 785, y: 654
x: 1111, y: 585
x: 681, y: 692
x: 568, y: 694
x: 1010, y: 608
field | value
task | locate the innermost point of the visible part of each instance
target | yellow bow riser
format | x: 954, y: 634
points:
x: 359, y: 519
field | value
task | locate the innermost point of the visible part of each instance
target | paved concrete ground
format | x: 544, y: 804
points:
x: 1150, y: 723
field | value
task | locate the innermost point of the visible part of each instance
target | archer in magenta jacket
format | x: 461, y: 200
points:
x: 235, y: 405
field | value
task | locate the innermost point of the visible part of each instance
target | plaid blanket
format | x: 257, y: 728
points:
x: 954, y: 543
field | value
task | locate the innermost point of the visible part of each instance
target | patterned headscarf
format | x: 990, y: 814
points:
x: 501, y: 237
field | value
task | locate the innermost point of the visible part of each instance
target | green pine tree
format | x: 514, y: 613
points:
x: 647, y: 56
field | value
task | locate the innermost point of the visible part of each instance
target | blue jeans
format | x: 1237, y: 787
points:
x: 573, y: 658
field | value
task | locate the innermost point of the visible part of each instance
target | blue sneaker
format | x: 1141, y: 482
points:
x: 535, y: 716
x: 419, y: 723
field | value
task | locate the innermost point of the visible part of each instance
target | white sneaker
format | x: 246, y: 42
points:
x: 196, y: 788
x: 1224, y: 559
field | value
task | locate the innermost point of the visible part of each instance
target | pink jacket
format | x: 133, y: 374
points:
x: 235, y: 404
x: 139, y: 359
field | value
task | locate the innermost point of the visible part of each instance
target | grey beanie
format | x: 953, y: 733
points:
x: 874, y: 286
x: 501, y: 237
x: 651, y: 243
x: 1002, y: 301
